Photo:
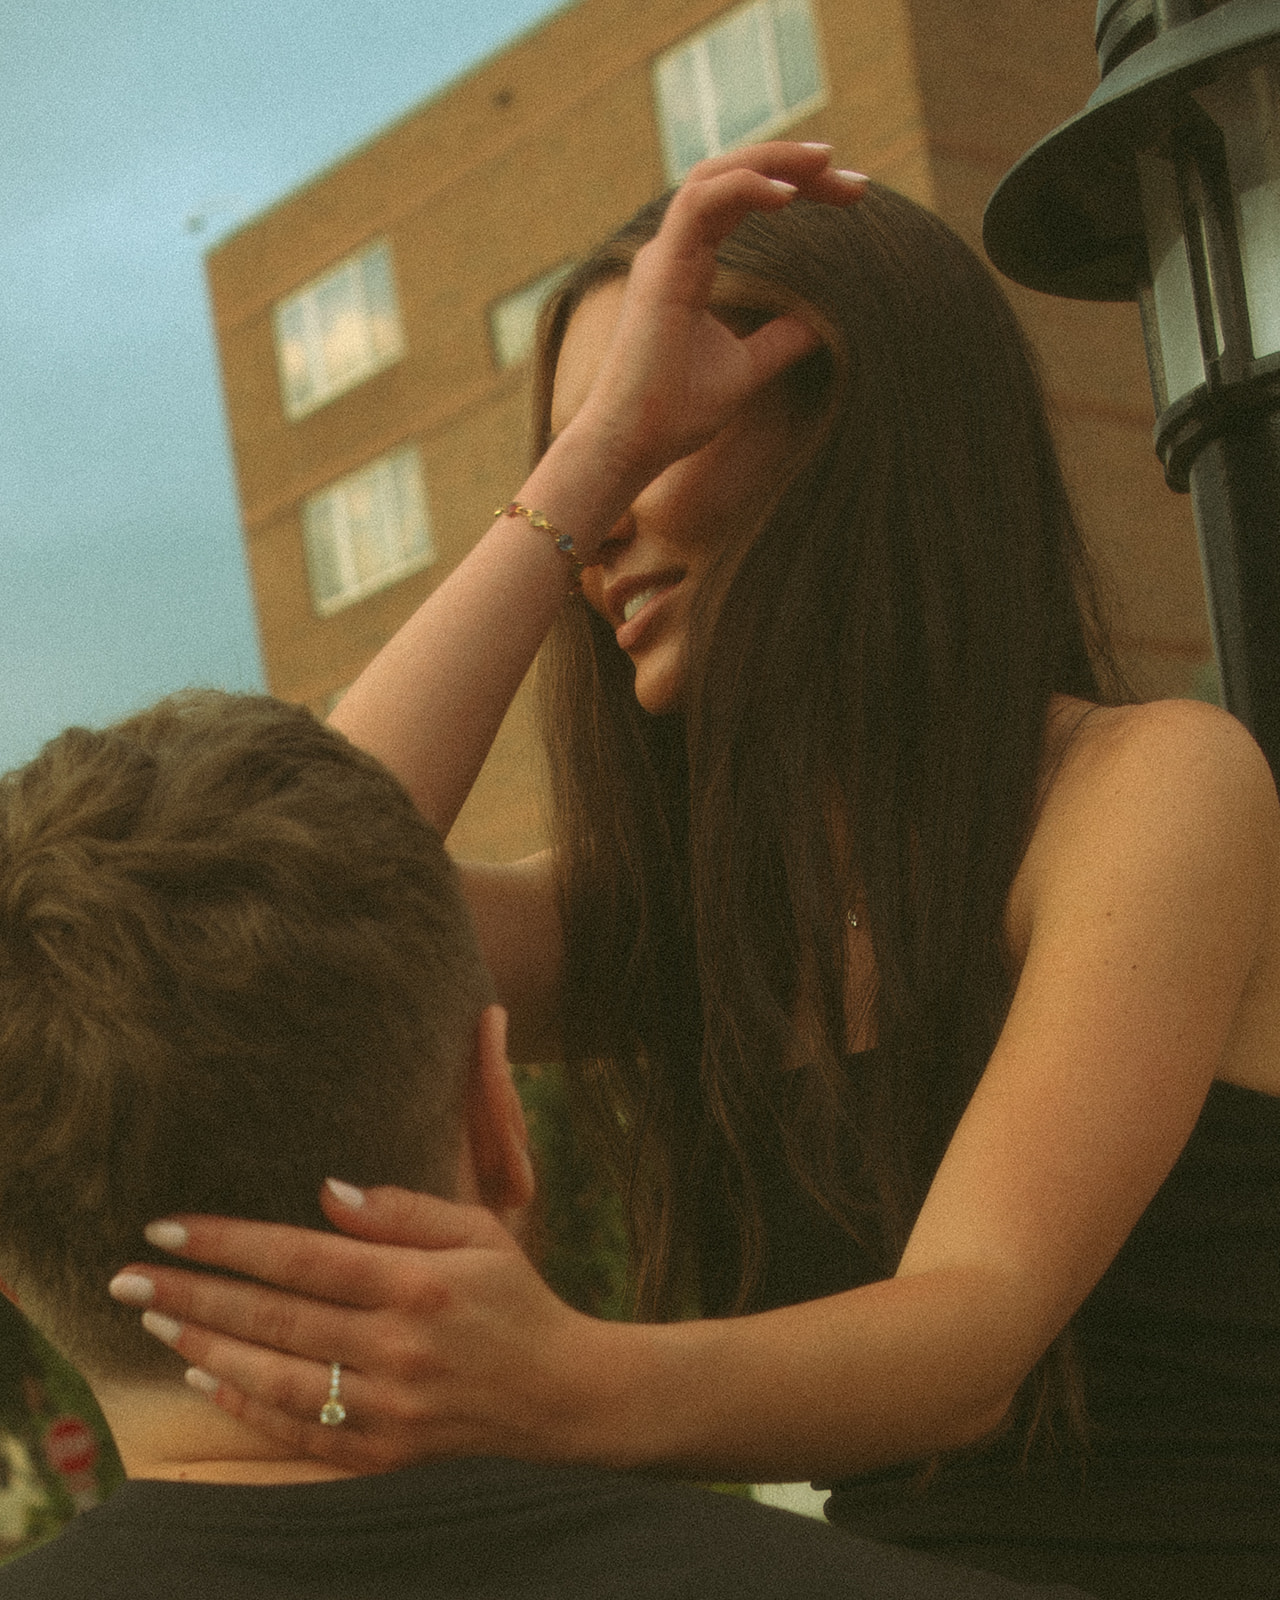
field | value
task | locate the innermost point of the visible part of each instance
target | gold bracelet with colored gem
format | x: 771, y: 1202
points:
x: 562, y: 541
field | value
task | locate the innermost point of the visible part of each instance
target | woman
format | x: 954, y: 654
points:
x: 899, y: 968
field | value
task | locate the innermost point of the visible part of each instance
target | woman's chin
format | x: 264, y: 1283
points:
x: 660, y: 663
x: 659, y: 694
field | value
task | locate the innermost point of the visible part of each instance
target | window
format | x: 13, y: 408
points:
x: 742, y: 78
x: 337, y: 331
x: 366, y: 530
x: 513, y: 320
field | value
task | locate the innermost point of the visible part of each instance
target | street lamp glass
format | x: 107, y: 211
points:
x: 1168, y: 302
x: 1180, y: 193
x: 1246, y: 106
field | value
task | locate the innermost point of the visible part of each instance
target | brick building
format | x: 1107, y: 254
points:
x: 373, y: 325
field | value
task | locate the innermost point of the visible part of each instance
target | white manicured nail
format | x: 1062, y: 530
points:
x: 204, y: 1381
x: 853, y: 177
x: 132, y: 1289
x: 166, y: 1235
x: 346, y: 1194
x: 782, y: 187
x: 164, y: 1328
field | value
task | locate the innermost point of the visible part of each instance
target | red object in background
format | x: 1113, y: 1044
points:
x: 70, y: 1447
x: 72, y: 1451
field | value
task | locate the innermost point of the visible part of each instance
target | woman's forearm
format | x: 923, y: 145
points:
x: 430, y: 703
x: 456, y: 1346
x: 877, y: 1376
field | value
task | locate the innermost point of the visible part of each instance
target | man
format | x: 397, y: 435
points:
x: 234, y: 960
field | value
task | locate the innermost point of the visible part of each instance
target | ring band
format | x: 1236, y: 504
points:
x: 333, y: 1412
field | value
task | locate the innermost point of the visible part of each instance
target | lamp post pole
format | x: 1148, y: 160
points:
x: 1166, y: 188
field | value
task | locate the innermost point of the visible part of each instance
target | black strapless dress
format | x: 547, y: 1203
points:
x: 1179, y: 1347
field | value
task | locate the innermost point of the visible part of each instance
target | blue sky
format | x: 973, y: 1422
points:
x: 133, y: 133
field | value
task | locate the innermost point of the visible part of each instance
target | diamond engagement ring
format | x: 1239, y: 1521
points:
x: 333, y: 1412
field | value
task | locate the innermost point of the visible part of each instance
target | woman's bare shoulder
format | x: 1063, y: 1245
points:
x: 1157, y: 753
x: 1144, y: 789
x: 1169, y: 808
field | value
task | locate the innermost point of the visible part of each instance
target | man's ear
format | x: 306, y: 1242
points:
x: 495, y: 1129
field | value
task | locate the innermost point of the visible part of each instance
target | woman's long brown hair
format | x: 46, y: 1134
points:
x: 870, y: 680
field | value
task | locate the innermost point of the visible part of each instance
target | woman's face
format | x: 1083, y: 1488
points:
x: 651, y: 564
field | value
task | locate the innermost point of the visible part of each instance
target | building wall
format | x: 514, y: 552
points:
x: 994, y: 79
x: 529, y: 160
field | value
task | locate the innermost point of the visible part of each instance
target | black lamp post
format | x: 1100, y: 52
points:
x: 1166, y: 189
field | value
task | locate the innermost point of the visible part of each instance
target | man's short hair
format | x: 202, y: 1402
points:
x: 233, y: 960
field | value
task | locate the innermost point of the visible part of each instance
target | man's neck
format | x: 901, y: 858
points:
x: 167, y: 1431
x: 247, y: 1470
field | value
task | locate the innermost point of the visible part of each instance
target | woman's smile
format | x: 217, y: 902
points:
x: 638, y: 602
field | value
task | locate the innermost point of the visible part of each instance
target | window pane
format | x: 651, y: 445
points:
x: 679, y: 111
x: 338, y: 330
x: 410, y: 510
x: 291, y: 353
x: 324, y: 570
x: 513, y: 320
x: 380, y: 303
x: 343, y: 329
x: 736, y: 56
x: 741, y: 78
x: 366, y: 530
x: 797, y: 52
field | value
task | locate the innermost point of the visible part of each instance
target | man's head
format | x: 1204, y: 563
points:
x: 233, y: 960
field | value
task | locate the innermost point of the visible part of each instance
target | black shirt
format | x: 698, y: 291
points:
x: 479, y: 1529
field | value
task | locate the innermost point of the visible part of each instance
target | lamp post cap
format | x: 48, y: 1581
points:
x: 1067, y: 218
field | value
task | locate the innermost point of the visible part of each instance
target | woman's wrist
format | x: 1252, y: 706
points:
x: 563, y: 543
x: 582, y: 485
x: 651, y: 1399
x: 611, y: 1415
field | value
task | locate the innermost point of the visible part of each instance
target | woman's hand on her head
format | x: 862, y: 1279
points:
x: 450, y: 1343
x: 675, y: 375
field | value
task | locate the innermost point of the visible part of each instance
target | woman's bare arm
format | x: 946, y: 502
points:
x: 430, y: 703
x: 1150, y: 891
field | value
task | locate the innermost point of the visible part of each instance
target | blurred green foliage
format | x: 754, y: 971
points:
x: 37, y: 1389
x: 578, y: 1235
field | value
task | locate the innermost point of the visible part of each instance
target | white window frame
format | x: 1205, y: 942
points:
x: 337, y: 330
x: 691, y: 61
x: 366, y: 531
x: 513, y: 319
